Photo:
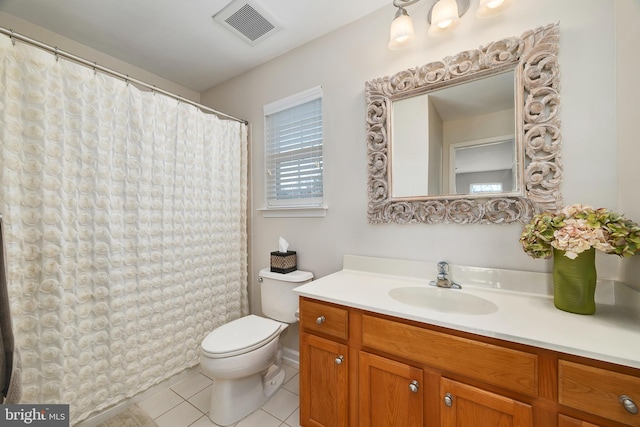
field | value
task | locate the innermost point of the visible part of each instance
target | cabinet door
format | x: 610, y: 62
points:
x: 323, y: 382
x: 564, y: 421
x: 391, y: 393
x: 466, y: 406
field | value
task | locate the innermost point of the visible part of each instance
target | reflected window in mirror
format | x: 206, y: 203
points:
x: 486, y: 187
x: 474, y: 165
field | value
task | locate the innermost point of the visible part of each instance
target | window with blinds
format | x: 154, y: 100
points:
x: 293, y: 150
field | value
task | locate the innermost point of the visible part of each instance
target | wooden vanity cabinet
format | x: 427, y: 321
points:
x: 324, y: 380
x: 390, y: 393
x: 359, y: 368
x: 324, y: 365
x: 599, y: 391
x: 564, y: 421
x: 465, y: 406
x: 459, y: 404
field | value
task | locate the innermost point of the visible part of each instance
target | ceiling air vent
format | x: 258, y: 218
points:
x: 247, y: 20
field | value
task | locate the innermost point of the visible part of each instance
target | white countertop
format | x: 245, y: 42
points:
x: 524, y: 317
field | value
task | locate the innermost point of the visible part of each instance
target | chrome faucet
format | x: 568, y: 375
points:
x: 442, y: 281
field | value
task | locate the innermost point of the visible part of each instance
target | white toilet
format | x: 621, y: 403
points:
x: 244, y: 356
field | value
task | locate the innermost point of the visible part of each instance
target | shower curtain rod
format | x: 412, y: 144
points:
x: 57, y: 52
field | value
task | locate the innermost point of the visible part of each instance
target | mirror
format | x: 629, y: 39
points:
x: 425, y: 127
x: 473, y: 138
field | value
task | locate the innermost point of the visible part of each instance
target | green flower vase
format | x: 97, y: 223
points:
x: 574, y: 282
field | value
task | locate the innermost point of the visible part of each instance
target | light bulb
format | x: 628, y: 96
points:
x: 444, y: 16
x: 401, y: 32
x: 444, y: 24
x: 491, y: 8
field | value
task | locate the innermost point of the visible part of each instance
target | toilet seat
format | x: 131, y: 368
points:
x: 240, y: 336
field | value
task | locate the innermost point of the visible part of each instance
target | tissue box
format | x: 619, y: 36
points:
x: 284, y: 262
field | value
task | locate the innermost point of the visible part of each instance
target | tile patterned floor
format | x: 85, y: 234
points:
x: 186, y: 404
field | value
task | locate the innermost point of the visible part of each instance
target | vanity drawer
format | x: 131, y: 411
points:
x: 511, y: 369
x: 324, y: 318
x: 598, y: 391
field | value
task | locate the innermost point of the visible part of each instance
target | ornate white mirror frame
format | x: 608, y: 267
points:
x: 538, y: 136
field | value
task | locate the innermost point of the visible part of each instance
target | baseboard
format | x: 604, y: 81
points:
x: 291, y: 357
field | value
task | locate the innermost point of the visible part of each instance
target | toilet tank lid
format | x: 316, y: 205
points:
x: 297, y: 276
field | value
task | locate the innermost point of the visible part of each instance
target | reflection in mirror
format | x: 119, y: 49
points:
x: 416, y: 163
x: 423, y: 127
x: 484, y: 167
x: 410, y: 180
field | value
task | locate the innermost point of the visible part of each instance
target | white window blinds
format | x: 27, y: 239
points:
x: 293, y: 150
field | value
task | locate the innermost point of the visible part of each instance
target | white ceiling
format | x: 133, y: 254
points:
x: 178, y: 39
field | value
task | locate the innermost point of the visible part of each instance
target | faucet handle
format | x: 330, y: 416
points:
x: 442, y: 281
x: 443, y: 267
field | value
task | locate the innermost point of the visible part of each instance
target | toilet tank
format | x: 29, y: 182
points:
x: 279, y: 302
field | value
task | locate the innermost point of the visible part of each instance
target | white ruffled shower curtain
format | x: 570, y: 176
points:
x: 125, y: 217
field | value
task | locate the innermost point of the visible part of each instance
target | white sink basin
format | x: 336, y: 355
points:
x: 443, y: 300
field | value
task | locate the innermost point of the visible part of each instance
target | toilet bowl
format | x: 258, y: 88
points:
x: 244, y: 357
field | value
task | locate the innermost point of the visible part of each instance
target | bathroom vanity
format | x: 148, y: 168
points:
x: 380, y: 347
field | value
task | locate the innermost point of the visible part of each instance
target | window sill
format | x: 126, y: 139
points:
x: 295, y: 212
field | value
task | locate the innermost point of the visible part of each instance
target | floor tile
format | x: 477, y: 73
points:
x: 293, y: 385
x: 259, y: 419
x: 206, y: 374
x: 282, y: 404
x: 204, y: 422
x: 185, y: 403
x: 182, y: 415
x: 160, y: 403
x: 202, y: 400
x: 289, y: 372
x: 294, y: 419
x: 191, y: 385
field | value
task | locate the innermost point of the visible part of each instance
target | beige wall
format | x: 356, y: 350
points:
x: 628, y: 94
x: 35, y: 32
x: 344, y: 60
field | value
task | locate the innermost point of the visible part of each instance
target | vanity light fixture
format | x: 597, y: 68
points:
x: 491, y: 8
x: 401, y: 32
x: 444, y: 16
